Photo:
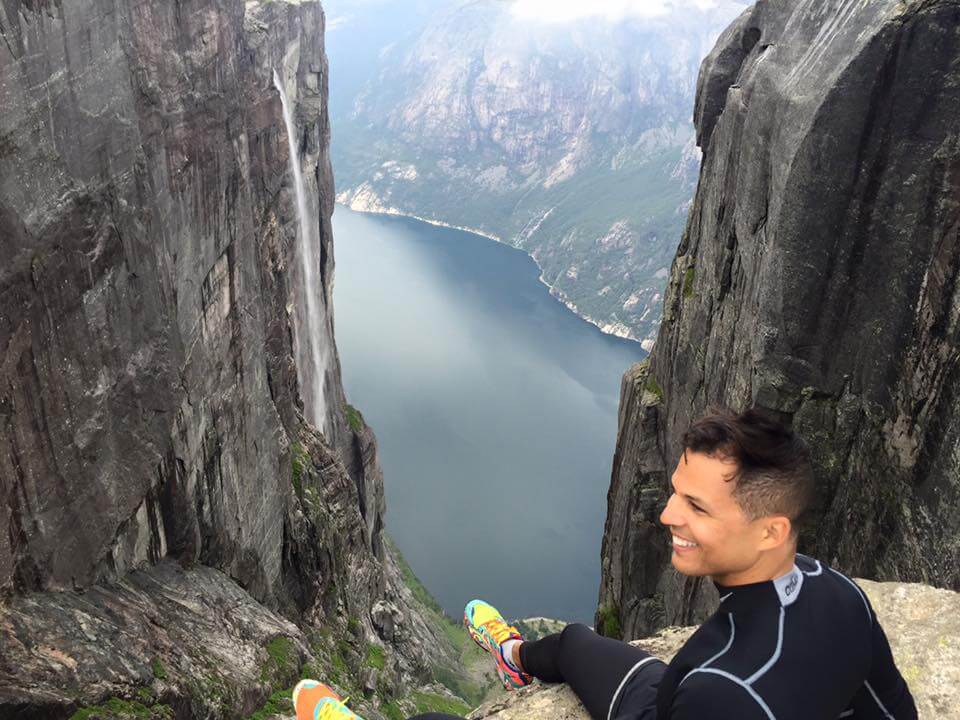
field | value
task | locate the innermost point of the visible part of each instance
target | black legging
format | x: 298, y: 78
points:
x: 594, y: 667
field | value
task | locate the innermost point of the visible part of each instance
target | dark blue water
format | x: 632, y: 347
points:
x: 495, y: 408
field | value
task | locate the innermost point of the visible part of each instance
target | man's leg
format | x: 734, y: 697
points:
x: 595, y: 667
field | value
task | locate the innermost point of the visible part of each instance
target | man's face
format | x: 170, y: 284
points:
x: 710, y: 533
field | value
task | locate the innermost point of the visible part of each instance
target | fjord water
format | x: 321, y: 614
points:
x: 495, y: 408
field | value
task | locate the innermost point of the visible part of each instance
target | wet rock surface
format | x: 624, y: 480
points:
x: 817, y: 277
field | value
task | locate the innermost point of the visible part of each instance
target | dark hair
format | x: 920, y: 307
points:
x: 774, y: 472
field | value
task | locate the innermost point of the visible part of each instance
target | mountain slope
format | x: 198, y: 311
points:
x: 571, y: 141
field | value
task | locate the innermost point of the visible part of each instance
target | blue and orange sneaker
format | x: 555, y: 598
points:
x: 490, y: 631
x: 313, y: 700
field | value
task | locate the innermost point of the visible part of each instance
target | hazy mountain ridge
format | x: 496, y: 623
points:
x: 564, y: 140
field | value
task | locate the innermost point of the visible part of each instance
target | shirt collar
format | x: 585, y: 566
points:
x: 783, y: 590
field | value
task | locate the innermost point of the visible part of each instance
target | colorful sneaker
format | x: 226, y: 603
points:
x: 315, y: 701
x: 489, y: 630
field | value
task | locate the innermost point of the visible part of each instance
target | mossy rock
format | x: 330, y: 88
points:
x: 119, y: 709
x: 355, y: 418
x: 299, y: 462
x: 283, y: 662
x: 688, y: 278
x: 652, y: 392
x: 376, y: 657
x: 608, y: 622
x: 427, y: 702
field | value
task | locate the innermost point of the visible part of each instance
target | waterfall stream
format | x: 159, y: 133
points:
x: 310, y: 351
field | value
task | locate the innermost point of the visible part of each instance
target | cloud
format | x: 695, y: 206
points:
x: 338, y: 21
x: 567, y: 10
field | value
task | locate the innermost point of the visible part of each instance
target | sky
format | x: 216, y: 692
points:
x: 567, y: 10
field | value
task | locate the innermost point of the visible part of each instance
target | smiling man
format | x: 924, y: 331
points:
x: 792, y: 640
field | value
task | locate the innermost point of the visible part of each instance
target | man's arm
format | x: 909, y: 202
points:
x: 885, y: 693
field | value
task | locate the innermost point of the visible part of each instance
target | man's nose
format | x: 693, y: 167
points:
x: 670, y: 514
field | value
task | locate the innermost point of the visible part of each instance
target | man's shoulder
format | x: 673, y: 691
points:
x: 824, y: 583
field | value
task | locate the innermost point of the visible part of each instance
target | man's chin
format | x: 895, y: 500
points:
x: 685, y: 567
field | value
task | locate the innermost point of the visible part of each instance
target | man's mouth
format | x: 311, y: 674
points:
x: 682, y: 544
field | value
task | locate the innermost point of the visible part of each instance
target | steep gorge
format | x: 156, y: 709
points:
x: 165, y: 510
x: 817, y: 277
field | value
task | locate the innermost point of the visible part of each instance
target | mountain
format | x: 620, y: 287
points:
x: 818, y: 277
x: 572, y: 141
x: 176, y: 540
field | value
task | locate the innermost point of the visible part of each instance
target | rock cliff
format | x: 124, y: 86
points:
x: 165, y: 511
x: 817, y: 277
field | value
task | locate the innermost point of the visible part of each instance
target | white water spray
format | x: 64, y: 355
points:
x: 309, y: 317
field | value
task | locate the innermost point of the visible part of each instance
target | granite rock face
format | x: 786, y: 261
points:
x: 160, y: 629
x: 817, y: 277
x: 149, y: 402
x: 148, y: 392
x: 921, y: 623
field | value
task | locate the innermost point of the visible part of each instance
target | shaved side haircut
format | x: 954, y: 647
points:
x: 774, y: 473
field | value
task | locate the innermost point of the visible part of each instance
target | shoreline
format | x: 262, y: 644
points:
x: 558, y: 295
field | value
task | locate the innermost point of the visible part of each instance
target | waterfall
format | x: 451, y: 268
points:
x: 311, y: 354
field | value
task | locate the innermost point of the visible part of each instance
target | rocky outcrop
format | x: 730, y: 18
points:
x: 817, y: 277
x: 188, y: 641
x: 150, y: 413
x: 921, y: 623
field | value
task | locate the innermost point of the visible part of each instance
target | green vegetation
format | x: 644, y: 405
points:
x: 118, y: 709
x: 299, y: 460
x: 392, y: 711
x: 279, y: 703
x: 688, y: 277
x: 609, y: 622
x: 376, y: 658
x: 413, y: 582
x: 355, y: 418
x: 282, y: 661
x: 469, y: 655
x: 159, y: 672
x: 653, y: 387
x: 280, y: 670
x: 212, y: 688
x: 430, y: 702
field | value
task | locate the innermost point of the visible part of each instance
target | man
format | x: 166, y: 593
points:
x: 792, y: 639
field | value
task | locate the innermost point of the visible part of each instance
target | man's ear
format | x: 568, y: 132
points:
x: 777, y: 530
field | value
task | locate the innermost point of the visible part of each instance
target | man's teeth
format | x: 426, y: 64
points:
x: 683, y: 543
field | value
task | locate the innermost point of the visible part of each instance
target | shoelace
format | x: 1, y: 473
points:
x: 336, y: 710
x: 500, y: 631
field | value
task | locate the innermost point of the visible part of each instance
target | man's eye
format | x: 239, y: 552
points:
x: 697, y: 508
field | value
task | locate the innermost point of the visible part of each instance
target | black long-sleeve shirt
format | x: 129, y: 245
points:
x: 806, y: 646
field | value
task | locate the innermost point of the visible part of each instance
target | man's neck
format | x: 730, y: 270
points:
x: 765, y: 570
